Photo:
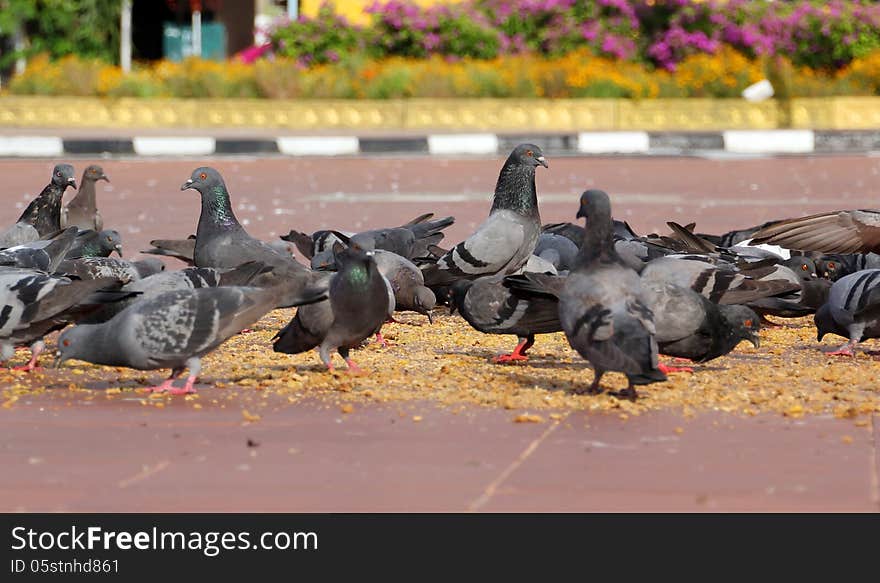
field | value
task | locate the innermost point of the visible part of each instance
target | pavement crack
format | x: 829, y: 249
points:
x: 493, y: 486
x: 145, y: 473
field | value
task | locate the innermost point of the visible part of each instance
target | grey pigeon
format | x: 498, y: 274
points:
x: 496, y: 304
x: 172, y: 330
x: 182, y: 249
x: 184, y: 279
x: 82, y: 210
x: 836, y: 265
x: 812, y: 292
x: 96, y: 244
x: 602, y: 309
x: 35, y: 304
x: 851, y: 310
x: 506, y: 239
x: 319, y: 244
x: 222, y: 242
x: 98, y: 267
x: 43, y: 255
x: 358, y: 306
x: 42, y: 217
x: 557, y: 249
x: 690, y: 326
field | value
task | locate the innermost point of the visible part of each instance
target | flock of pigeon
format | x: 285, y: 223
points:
x: 620, y: 298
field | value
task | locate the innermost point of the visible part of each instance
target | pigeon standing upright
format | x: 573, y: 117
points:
x: 42, y: 217
x: 222, y: 242
x: 506, y: 239
x: 82, y: 210
x: 358, y: 306
x: 601, y: 307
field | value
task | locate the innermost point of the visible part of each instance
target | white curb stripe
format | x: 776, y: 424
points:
x: 173, y: 146
x: 463, y: 144
x: 608, y: 142
x: 765, y: 141
x: 31, y: 146
x: 318, y: 146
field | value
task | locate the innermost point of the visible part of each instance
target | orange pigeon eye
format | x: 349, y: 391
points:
x: 748, y: 323
x: 831, y: 265
x: 66, y: 343
x: 203, y: 175
x: 804, y: 267
x: 529, y: 153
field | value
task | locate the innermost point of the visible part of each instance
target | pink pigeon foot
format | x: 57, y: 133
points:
x: 845, y: 350
x: 381, y: 340
x: 187, y: 389
x: 668, y: 369
x: 167, y: 385
x: 354, y: 369
x: 518, y: 354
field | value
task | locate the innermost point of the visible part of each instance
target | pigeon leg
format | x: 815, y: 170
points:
x: 847, y: 349
x: 36, y: 349
x: 668, y: 369
x: 594, y: 388
x: 629, y: 393
x: 195, y: 367
x: 353, y: 368
x: 381, y: 340
x: 519, y: 353
x: 324, y: 353
x: 168, y: 384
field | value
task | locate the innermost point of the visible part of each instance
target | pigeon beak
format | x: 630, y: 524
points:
x: 581, y: 214
x: 453, y: 308
x: 186, y: 185
x: 58, y: 360
x: 430, y: 317
x: 755, y: 340
x: 542, y: 161
x: 71, y: 182
x: 118, y: 249
x: 104, y: 178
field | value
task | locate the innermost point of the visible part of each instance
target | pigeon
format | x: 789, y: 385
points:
x: 524, y: 305
x: 221, y: 242
x: 35, y: 304
x: 184, y: 279
x: 318, y: 244
x: 851, y: 310
x: 506, y: 239
x: 723, y: 283
x: 601, y: 306
x: 98, y: 267
x: 690, y: 326
x: 182, y: 249
x: 96, y: 244
x: 852, y: 231
x: 81, y: 211
x: 44, y: 255
x: 836, y: 265
x: 172, y: 330
x: 42, y: 216
x: 359, y: 304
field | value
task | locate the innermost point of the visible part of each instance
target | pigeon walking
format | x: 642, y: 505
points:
x: 506, y: 239
x: 358, y: 306
x: 602, y: 309
x: 42, y: 217
x: 82, y: 211
x: 172, y: 330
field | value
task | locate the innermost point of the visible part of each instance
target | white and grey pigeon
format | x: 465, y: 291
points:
x: 42, y: 217
x: 172, y: 330
x: 221, y: 242
x: 359, y: 304
x: 98, y: 267
x: 852, y: 310
x: 602, y: 308
x: 506, y: 239
x: 82, y: 210
x: 43, y: 255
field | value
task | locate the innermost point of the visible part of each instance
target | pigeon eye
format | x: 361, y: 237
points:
x: 831, y: 265
x: 203, y: 175
x: 529, y: 153
x: 58, y: 174
x: 66, y: 342
x: 110, y: 239
x: 748, y: 323
x: 804, y: 267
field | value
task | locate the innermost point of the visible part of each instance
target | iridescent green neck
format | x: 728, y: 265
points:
x: 217, y: 209
x: 358, y: 275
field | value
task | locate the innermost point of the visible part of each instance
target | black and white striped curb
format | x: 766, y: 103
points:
x: 757, y: 142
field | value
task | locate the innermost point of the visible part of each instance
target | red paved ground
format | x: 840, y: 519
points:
x: 65, y: 453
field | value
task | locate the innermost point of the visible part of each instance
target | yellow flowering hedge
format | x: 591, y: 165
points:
x: 577, y: 74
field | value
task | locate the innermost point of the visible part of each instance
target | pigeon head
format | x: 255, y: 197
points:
x: 827, y: 267
x: 595, y: 204
x: 457, y: 293
x: 743, y: 322
x: 74, y: 343
x: 528, y: 155
x: 425, y: 301
x: 110, y: 241
x: 204, y: 180
x: 94, y: 173
x: 803, y: 267
x: 825, y: 324
x: 62, y: 176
